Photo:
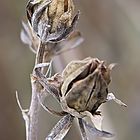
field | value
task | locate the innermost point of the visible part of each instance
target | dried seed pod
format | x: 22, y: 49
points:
x: 82, y: 87
x: 52, y: 20
x: 80, y: 90
x: 85, y: 85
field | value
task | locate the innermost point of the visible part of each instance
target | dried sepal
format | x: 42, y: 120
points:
x: 25, y: 35
x: 97, y: 132
x: 46, y: 90
x: 39, y: 22
x: 29, y: 37
x: 41, y: 99
x: 96, y: 119
x: 82, y: 129
x: 32, y: 5
x: 111, y: 96
x: 41, y: 65
x: 51, y: 85
x: 61, y: 128
x: 72, y: 41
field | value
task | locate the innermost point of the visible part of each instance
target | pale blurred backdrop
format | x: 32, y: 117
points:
x: 111, y: 29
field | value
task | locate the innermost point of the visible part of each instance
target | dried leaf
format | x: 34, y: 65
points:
x: 97, y: 132
x: 61, y: 128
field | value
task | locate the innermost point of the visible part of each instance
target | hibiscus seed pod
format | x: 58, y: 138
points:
x: 85, y: 85
x: 52, y: 20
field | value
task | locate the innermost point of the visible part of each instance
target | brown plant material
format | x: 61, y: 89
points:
x: 29, y: 37
x: 52, y: 20
x: 48, y: 32
x: 81, y: 89
x: 83, y: 85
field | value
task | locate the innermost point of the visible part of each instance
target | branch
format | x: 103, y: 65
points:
x: 34, y: 110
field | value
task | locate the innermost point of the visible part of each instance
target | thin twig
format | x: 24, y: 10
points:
x: 34, y: 111
x: 24, y: 115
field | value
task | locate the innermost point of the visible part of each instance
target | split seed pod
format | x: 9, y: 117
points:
x: 81, y: 89
x: 85, y: 85
x: 52, y: 20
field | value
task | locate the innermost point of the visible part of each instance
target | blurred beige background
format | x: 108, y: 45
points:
x: 112, y: 32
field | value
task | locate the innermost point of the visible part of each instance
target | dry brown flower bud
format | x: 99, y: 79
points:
x: 85, y: 85
x: 81, y: 89
x: 52, y: 20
